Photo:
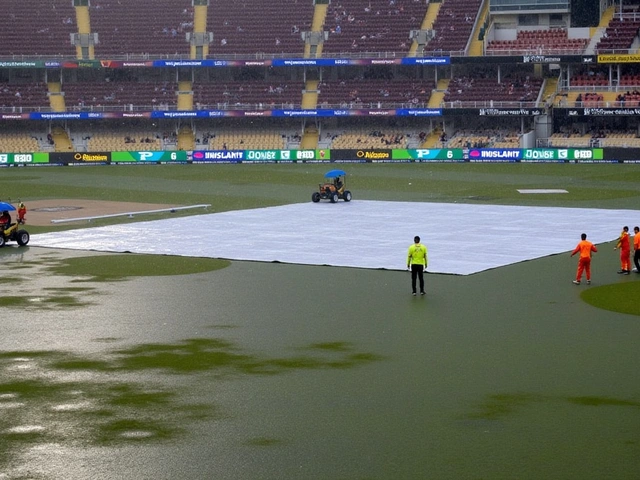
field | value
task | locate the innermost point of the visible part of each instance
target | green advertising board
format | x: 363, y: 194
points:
x: 23, y: 158
x: 284, y: 155
x: 427, y: 154
x: 149, y: 156
x: 560, y: 154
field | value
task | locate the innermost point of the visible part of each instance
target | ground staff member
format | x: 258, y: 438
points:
x: 625, y: 251
x: 636, y: 246
x: 585, y: 247
x: 417, y: 262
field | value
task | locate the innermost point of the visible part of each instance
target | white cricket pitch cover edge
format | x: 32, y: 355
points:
x: 461, y: 238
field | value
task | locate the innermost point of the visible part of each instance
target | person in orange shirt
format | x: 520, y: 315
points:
x: 585, y: 247
x: 22, y: 212
x: 636, y: 247
x: 625, y: 251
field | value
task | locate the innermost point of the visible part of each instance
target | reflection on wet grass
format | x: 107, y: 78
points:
x: 42, y: 302
x: 219, y: 356
x: 602, y: 401
x: 70, y: 289
x: 498, y: 406
x: 46, y: 407
x: 264, y: 442
x: 135, y: 430
x: 100, y: 268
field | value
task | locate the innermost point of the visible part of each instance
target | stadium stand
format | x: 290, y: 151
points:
x: 260, y: 30
x: 513, y: 90
x: 141, y: 28
x: 553, y: 41
x: 20, y: 140
x: 371, y: 93
x: 453, y: 26
x: 619, y: 34
x: 120, y: 95
x: 37, y: 30
x: 374, y: 26
x: 18, y: 97
x: 248, y: 94
x: 242, y: 28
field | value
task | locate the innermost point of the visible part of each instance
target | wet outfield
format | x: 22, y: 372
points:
x: 272, y: 371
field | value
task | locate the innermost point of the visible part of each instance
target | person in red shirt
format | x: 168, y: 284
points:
x: 625, y: 251
x: 585, y: 247
x: 22, y: 212
x: 5, y: 220
x: 636, y: 247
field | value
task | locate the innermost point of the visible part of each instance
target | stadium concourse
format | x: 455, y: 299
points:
x: 462, y: 238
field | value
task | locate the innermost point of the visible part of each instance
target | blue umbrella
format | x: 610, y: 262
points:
x: 335, y: 173
x: 6, y: 206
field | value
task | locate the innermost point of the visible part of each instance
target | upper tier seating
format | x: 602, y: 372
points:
x: 155, y: 27
x: 253, y: 27
x: 598, y: 79
x: 552, y: 41
x: 453, y: 26
x: 85, y: 95
x: 42, y: 29
x: 251, y: 94
x: 371, y: 92
x: 482, y: 90
x: 372, y: 26
x: 29, y: 96
x: 619, y: 35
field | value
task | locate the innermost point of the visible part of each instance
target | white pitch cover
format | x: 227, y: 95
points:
x: 462, y: 238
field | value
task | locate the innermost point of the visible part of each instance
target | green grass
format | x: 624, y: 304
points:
x: 117, y: 267
x: 232, y: 187
x: 621, y: 298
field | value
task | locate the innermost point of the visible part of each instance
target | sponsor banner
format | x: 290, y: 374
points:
x: 433, y: 154
x: 149, y: 156
x: 14, y: 116
x: 364, y: 155
x: 619, y: 58
x: 560, y: 154
x: 610, y: 112
x: 217, y: 156
x: 419, y: 112
x: 544, y: 155
x: 81, y: 64
x: 493, y: 154
x: 305, y: 113
x: 80, y: 158
x: 308, y: 62
x: 13, y: 159
x: 509, y: 112
x: 71, y: 115
x: 259, y: 156
x: 21, y: 64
